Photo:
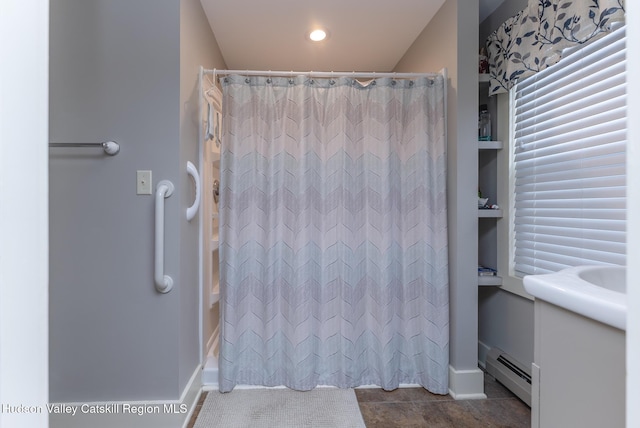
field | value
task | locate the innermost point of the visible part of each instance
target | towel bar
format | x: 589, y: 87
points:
x: 110, y: 147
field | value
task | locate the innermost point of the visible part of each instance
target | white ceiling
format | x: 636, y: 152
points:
x: 364, y: 35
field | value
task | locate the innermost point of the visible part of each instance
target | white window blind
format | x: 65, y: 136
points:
x: 570, y: 155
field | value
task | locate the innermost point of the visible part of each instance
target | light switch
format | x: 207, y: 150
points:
x: 143, y: 182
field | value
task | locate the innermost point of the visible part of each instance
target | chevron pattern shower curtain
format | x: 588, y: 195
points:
x: 333, y: 258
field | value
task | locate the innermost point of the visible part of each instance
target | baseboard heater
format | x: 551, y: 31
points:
x: 509, y: 372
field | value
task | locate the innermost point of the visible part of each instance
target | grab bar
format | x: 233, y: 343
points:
x: 164, y: 283
x: 110, y: 147
x: 193, y: 209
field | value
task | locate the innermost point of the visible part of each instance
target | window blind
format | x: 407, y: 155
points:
x: 570, y: 160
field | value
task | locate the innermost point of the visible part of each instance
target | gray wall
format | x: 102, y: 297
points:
x: 505, y: 321
x: 450, y: 40
x: 115, y: 74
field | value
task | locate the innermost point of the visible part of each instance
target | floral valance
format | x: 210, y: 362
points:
x: 534, y: 39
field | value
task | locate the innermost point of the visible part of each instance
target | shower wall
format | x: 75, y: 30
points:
x: 198, y: 47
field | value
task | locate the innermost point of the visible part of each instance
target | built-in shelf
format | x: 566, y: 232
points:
x: 489, y: 281
x: 487, y: 213
x: 488, y: 152
x: 490, y: 145
x: 215, y: 294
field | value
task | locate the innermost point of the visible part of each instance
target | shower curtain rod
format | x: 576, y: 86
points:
x: 320, y: 74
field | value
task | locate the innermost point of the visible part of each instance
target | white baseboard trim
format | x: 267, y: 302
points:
x: 191, y: 394
x: 483, y: 350
x: 140, y: 414
x: 210, y: 365
x: 210, y: 374
x: 466, y: 384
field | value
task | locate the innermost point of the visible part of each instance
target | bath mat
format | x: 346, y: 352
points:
x: 281, y: 408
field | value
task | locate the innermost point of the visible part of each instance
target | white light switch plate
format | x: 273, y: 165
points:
x: 143, y: 182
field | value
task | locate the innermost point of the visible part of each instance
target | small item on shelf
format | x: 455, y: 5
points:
x: 482, y: 202
x: 485, y: 271
x: 483, y: 61
x: 484, y: 124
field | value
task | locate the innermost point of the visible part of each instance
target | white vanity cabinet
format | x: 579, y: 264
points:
x: 578, y: 371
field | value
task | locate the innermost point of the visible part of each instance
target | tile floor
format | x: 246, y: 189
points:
x: 415, y: 407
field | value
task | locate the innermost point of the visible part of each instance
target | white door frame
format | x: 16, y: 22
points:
x: 24, y: 218
x: 633, y: 215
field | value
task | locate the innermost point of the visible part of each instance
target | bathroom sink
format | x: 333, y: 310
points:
x: 596, y: 292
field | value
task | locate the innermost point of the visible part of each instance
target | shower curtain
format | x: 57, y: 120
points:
x: 333, y: 257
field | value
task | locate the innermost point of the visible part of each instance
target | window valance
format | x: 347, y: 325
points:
x: 534, y: 39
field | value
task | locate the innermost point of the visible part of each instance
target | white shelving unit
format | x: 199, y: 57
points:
x: 211, y: 295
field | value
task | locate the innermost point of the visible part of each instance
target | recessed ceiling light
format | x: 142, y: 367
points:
x: 318, y: 35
